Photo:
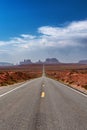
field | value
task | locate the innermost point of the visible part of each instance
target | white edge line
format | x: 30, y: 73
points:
x: 13, y: 89
x: 78, y: 91
x: 17, y: 87
x: 81, y: 93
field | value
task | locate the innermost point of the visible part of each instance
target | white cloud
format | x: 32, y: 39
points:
x: 74, y: 34
x: 4, y: 43
x: 27, y: 36
x: 70, y: 30
x: 65, y: 36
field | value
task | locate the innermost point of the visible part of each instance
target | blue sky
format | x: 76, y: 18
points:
x: 37, y: 29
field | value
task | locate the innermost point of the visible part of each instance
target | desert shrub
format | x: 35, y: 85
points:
x: 1, y: 72
x: 3, y: 84
x: 71, y: 82
x: 85, y: 86
x: 74, y: 71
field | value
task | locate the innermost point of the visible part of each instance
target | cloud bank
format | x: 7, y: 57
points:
x: 72, y: 35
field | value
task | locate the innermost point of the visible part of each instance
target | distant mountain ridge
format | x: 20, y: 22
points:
x: 47, y: 61
x: 5, y: 64
x: 83, y: 62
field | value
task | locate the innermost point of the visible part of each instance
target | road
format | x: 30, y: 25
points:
x: 42, y: 104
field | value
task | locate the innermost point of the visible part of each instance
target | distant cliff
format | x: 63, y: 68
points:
x: 52, y: 61
x: 26, y: 62
x: 47, y: 61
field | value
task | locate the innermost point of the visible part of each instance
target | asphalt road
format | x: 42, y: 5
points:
x: 42, y: 104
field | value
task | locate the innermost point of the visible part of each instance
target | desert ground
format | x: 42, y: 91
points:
x: 15, y: 74
x: 74, y: 75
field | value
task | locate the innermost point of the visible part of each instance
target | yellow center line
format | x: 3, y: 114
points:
x: 42, y: 94
x: 43, y: 85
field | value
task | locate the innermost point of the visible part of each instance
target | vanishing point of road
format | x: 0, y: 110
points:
x: 42, y: 104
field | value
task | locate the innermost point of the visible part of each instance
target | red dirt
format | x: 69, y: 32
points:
x: 72, y: 75
x: 11, y: 75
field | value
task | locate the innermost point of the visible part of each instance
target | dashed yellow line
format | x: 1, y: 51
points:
x: 42, y: 94
x: 43, y: 85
